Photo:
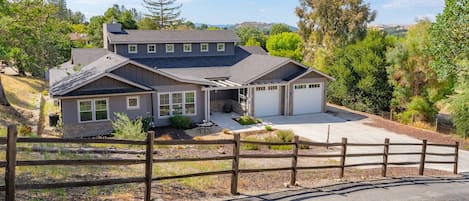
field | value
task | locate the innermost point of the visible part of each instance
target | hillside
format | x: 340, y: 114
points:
x: 23, y: 93
x: 259, y: 25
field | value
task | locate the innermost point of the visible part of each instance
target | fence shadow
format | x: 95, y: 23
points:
x: 343, y: 189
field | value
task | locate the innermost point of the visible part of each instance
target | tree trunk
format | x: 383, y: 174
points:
x: 3, y: 98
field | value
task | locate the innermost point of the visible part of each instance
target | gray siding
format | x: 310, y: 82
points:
x: 163, y: 84
x: 73, y: 128
x: 142, y: 76
x: 281, y: 73
x: 103, y: 84
x: 122, y: 49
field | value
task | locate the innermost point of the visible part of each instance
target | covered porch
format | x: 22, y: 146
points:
x: 260, y: 99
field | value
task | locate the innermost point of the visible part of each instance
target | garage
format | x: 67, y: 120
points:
x: 266, y: 101
x: 307, y: 98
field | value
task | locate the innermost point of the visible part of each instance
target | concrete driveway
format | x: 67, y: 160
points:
x: 315, y: 126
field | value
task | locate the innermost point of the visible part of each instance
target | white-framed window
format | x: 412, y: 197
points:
x: 169, y: 48
x: 133, y: 102
x: 317, y: 85
x: 177, y: 103
x: 93, y: 110
x: 133, y: 49
x: 260, y: 88
x: 220, y: 47
x: 187, y: 47
x: 272, y: 88
x: 151, y: 48
x: 204, y: 47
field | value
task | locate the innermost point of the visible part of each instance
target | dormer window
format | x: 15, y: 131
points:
x: 220, y: 47
x: 188, y: 47
x: 204, y: 47
x: 169, y: 48
x: 151, y: 48
x: 132, y: 49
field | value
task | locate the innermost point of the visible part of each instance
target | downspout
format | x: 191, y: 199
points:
x: 152, y: 110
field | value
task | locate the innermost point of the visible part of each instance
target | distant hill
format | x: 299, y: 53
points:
x: 396, y: 30
x: 259, y: 25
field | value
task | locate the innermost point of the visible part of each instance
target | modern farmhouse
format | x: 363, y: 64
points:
x: 166, y: 73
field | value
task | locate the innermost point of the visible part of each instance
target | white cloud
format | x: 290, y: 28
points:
x: 413, y: 3
x: 431, y: 17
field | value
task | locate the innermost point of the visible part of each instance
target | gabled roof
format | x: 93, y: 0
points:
x: 172, y: 36
x: 103, y: 66
x: 255, y: 66
x: 254, y: 50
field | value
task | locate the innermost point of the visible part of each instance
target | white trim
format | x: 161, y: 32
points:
x: 102, y: 95
x: 93, y: 110
x: 220, y: 50
x: 184, y: 47
x: 202, y: 50
x: 133, y: 107
x: 148, y: 48
x: 132, y: 52
x: 171, y: 103
x: 169, y: 45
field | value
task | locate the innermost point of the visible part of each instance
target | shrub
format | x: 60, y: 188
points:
x: 248, y: 120
x: 419, y: 109
x: 147, y: 123
x: 276, y: 139
x: 285, y: 135
x: 24, y: 130
x: 180, y: 122
x: 460, y: 113
x: 268, y: 128
x: 246, y: 146
x: 125, y: 128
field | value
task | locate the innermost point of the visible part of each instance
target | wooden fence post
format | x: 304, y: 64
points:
x: 422, y: 157
x: 235, y: 168
x: 294, y: 162
x: 342, y: 159
x: 149, y: 164
x: 456, y: 159
x: 385, y: 157
x: 10, y: 169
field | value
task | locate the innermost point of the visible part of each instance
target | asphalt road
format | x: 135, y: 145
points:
x: 404, y: 189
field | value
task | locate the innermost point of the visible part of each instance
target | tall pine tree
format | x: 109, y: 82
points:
x: 164, y: 12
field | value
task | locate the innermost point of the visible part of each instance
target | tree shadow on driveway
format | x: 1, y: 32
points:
x: 344, y: 189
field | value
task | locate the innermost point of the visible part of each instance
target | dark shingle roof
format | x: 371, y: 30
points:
x: 254, y: 50
x: 185, y: 62
x: 87, y: 73
x: 172, y: 36
x: 254, y: 66
x: 85, y: 56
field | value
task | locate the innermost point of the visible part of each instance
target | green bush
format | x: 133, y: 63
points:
x: 276, y: 139
x: 419, y: 109
x: 268, y: 128
x: 147, y: 123
x: 285, y: 135
x: 248, y: 120
x: 180, y: 122
x: 125, y: 128
x: 460, y: 113
x: 246, y: 146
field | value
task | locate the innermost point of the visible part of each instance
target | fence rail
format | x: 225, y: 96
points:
x: 11, y: 163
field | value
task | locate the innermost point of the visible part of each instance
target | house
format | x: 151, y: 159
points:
x: 185, y: 72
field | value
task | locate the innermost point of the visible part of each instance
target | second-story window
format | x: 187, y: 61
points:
x: 151, y: 48
x: 220, y: 47
x: 204, y: 47
x: 169, y: 48
x: 188, y: 47
x: 133, y: 49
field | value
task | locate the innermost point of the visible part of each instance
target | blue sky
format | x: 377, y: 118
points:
x: 279, y: 11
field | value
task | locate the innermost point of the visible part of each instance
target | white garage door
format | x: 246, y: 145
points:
x: 307, y: 98
x: 266, y: 101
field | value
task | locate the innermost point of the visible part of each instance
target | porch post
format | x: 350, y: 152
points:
x: 208, y: 106
x: 205, y: 104
x: 285, y: 106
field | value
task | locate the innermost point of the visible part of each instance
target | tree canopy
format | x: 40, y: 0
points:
x: 165, y: 13
x: 326, y: 24
x: 286, y: 44
x: 250, y: 33
x: 360, y: 72
x: 279, y: 28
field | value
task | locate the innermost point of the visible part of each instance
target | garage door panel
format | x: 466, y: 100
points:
x: 267, y: 101
x: 307, y: 98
